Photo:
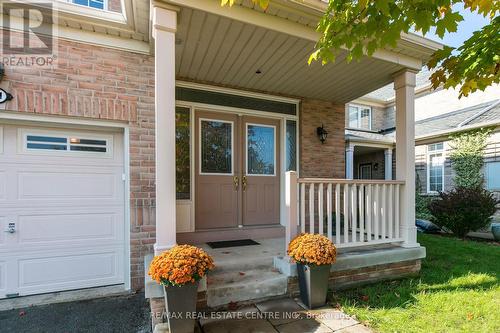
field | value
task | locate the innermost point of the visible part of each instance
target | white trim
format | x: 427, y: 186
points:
x: 428, y: 165
x: 246, y: 150
x: 1, y: 140
x: 236, y: 92
x: 232, y: 147
x: 126, y: 172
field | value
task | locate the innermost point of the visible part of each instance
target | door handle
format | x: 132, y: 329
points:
x: 244, y: 183
x: 236, y: 183
x: 11, y: 228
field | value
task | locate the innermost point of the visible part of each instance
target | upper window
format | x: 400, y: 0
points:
x: 360, y: 117
x: 97, y: 4
x: 493, y: 175
x: 435, y: 167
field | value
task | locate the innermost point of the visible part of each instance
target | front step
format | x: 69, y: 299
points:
x: 227, y: 286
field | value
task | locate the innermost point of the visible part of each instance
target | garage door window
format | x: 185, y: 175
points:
x: 68, y: 144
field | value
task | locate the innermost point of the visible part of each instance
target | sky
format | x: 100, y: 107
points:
x: 472, y: 22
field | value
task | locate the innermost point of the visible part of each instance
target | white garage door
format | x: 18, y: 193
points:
x: 61, y: 210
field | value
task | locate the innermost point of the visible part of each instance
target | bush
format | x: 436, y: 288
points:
x: 463, y: 209
x: 422, y: 204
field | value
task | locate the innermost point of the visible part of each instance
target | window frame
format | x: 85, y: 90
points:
x: 105, y: 4
x: 23, y: 141
x: 359, y: 109
x: 487, y: 174
x: 429, y: 154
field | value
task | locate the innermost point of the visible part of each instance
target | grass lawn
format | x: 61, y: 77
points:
x: 458, y: 290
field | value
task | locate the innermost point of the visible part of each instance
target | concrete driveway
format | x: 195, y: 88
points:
x: 112, y: 314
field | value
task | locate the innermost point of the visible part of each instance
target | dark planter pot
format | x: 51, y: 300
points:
x: 180, y: 304
x: 313, y: 284
x: 495, y: 230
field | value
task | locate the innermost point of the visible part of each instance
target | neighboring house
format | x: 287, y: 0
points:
x: 91, y: 181
x: 370, y: 138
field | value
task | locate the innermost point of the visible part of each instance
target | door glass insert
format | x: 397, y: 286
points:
x: 260, y: 150
x: 216, y: 142
x: 291, y: 145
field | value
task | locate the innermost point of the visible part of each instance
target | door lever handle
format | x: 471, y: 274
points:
x: 236, y: 183
x: 244, y: 183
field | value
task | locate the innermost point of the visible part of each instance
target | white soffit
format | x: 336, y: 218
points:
x: 219, y: 50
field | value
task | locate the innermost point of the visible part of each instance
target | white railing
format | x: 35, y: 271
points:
x: 350, y: 213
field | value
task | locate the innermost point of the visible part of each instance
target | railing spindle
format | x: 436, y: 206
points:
x: 369, y: 211
x: 320, y: 208
x: 346, y: 213
x: 329, y: 211
x: 361, y: 213
x: 337, y: 213
x: 311, y: 208
x: 376, y: 213
x: 390, y: 211
x: 302, y: 208
x: 354, y: 212
x: 383, y: 214
x: 396, y: 213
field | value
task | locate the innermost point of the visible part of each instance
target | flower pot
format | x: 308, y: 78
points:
x: 495, y: 230
x: 180, y: 304
x: 313, y: 284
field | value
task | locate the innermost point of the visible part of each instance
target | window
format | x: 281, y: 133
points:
x: 360, y: 117
x: 97, y: 4
x: 182, y: 153
x: 291, y: 145
x: 57, y: 142
x: 493, y: 175
x: 435, y: 168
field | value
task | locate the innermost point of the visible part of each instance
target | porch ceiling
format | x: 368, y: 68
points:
x: 222, y: 51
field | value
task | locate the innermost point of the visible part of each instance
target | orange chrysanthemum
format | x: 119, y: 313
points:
x: 180, y: 265
x: 312, y: 249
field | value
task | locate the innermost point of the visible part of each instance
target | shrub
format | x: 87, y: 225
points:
x: 422, y: 210
x: 463, y: 209
x: 467, y: 157
x: 312, y: 249
x: 180, y: 265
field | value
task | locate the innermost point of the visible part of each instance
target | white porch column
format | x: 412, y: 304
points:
x: 349, y: 162
x: 164, y: 27
x: 388, y: 164
x: 404, y: 86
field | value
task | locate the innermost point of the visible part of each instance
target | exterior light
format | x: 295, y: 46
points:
x: 322, y: 133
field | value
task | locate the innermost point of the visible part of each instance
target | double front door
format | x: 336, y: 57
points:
x: 237, y: 170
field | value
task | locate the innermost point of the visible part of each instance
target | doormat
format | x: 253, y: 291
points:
x: 232, y: 243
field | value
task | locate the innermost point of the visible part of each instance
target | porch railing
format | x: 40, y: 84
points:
x: 350, y: 213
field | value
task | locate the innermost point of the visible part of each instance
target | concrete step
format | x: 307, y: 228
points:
x: 224, y: 287
x: 239, y: 264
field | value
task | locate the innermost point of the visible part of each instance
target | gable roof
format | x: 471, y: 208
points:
x: 485, y: 113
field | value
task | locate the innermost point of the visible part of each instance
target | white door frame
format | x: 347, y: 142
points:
x: 194, y: 106
x: 16, y: 118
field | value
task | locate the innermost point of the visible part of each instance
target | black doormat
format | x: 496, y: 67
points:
x: 232, y: 243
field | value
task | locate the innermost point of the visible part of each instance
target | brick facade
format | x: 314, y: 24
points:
x: 316, y: 159
x: 101, y: 83
x: 356, y: 277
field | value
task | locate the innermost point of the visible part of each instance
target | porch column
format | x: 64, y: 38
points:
x: 388, y: 164
x: 404, y: 86
x: 164, y: 27
x: 349, y: 162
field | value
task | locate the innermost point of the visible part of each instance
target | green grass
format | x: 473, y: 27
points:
x: 458, y: 290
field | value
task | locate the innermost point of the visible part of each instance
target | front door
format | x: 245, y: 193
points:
x: 237, y: 170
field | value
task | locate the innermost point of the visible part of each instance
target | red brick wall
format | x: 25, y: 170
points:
x: 316, y: 159
x: 101, y: 83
